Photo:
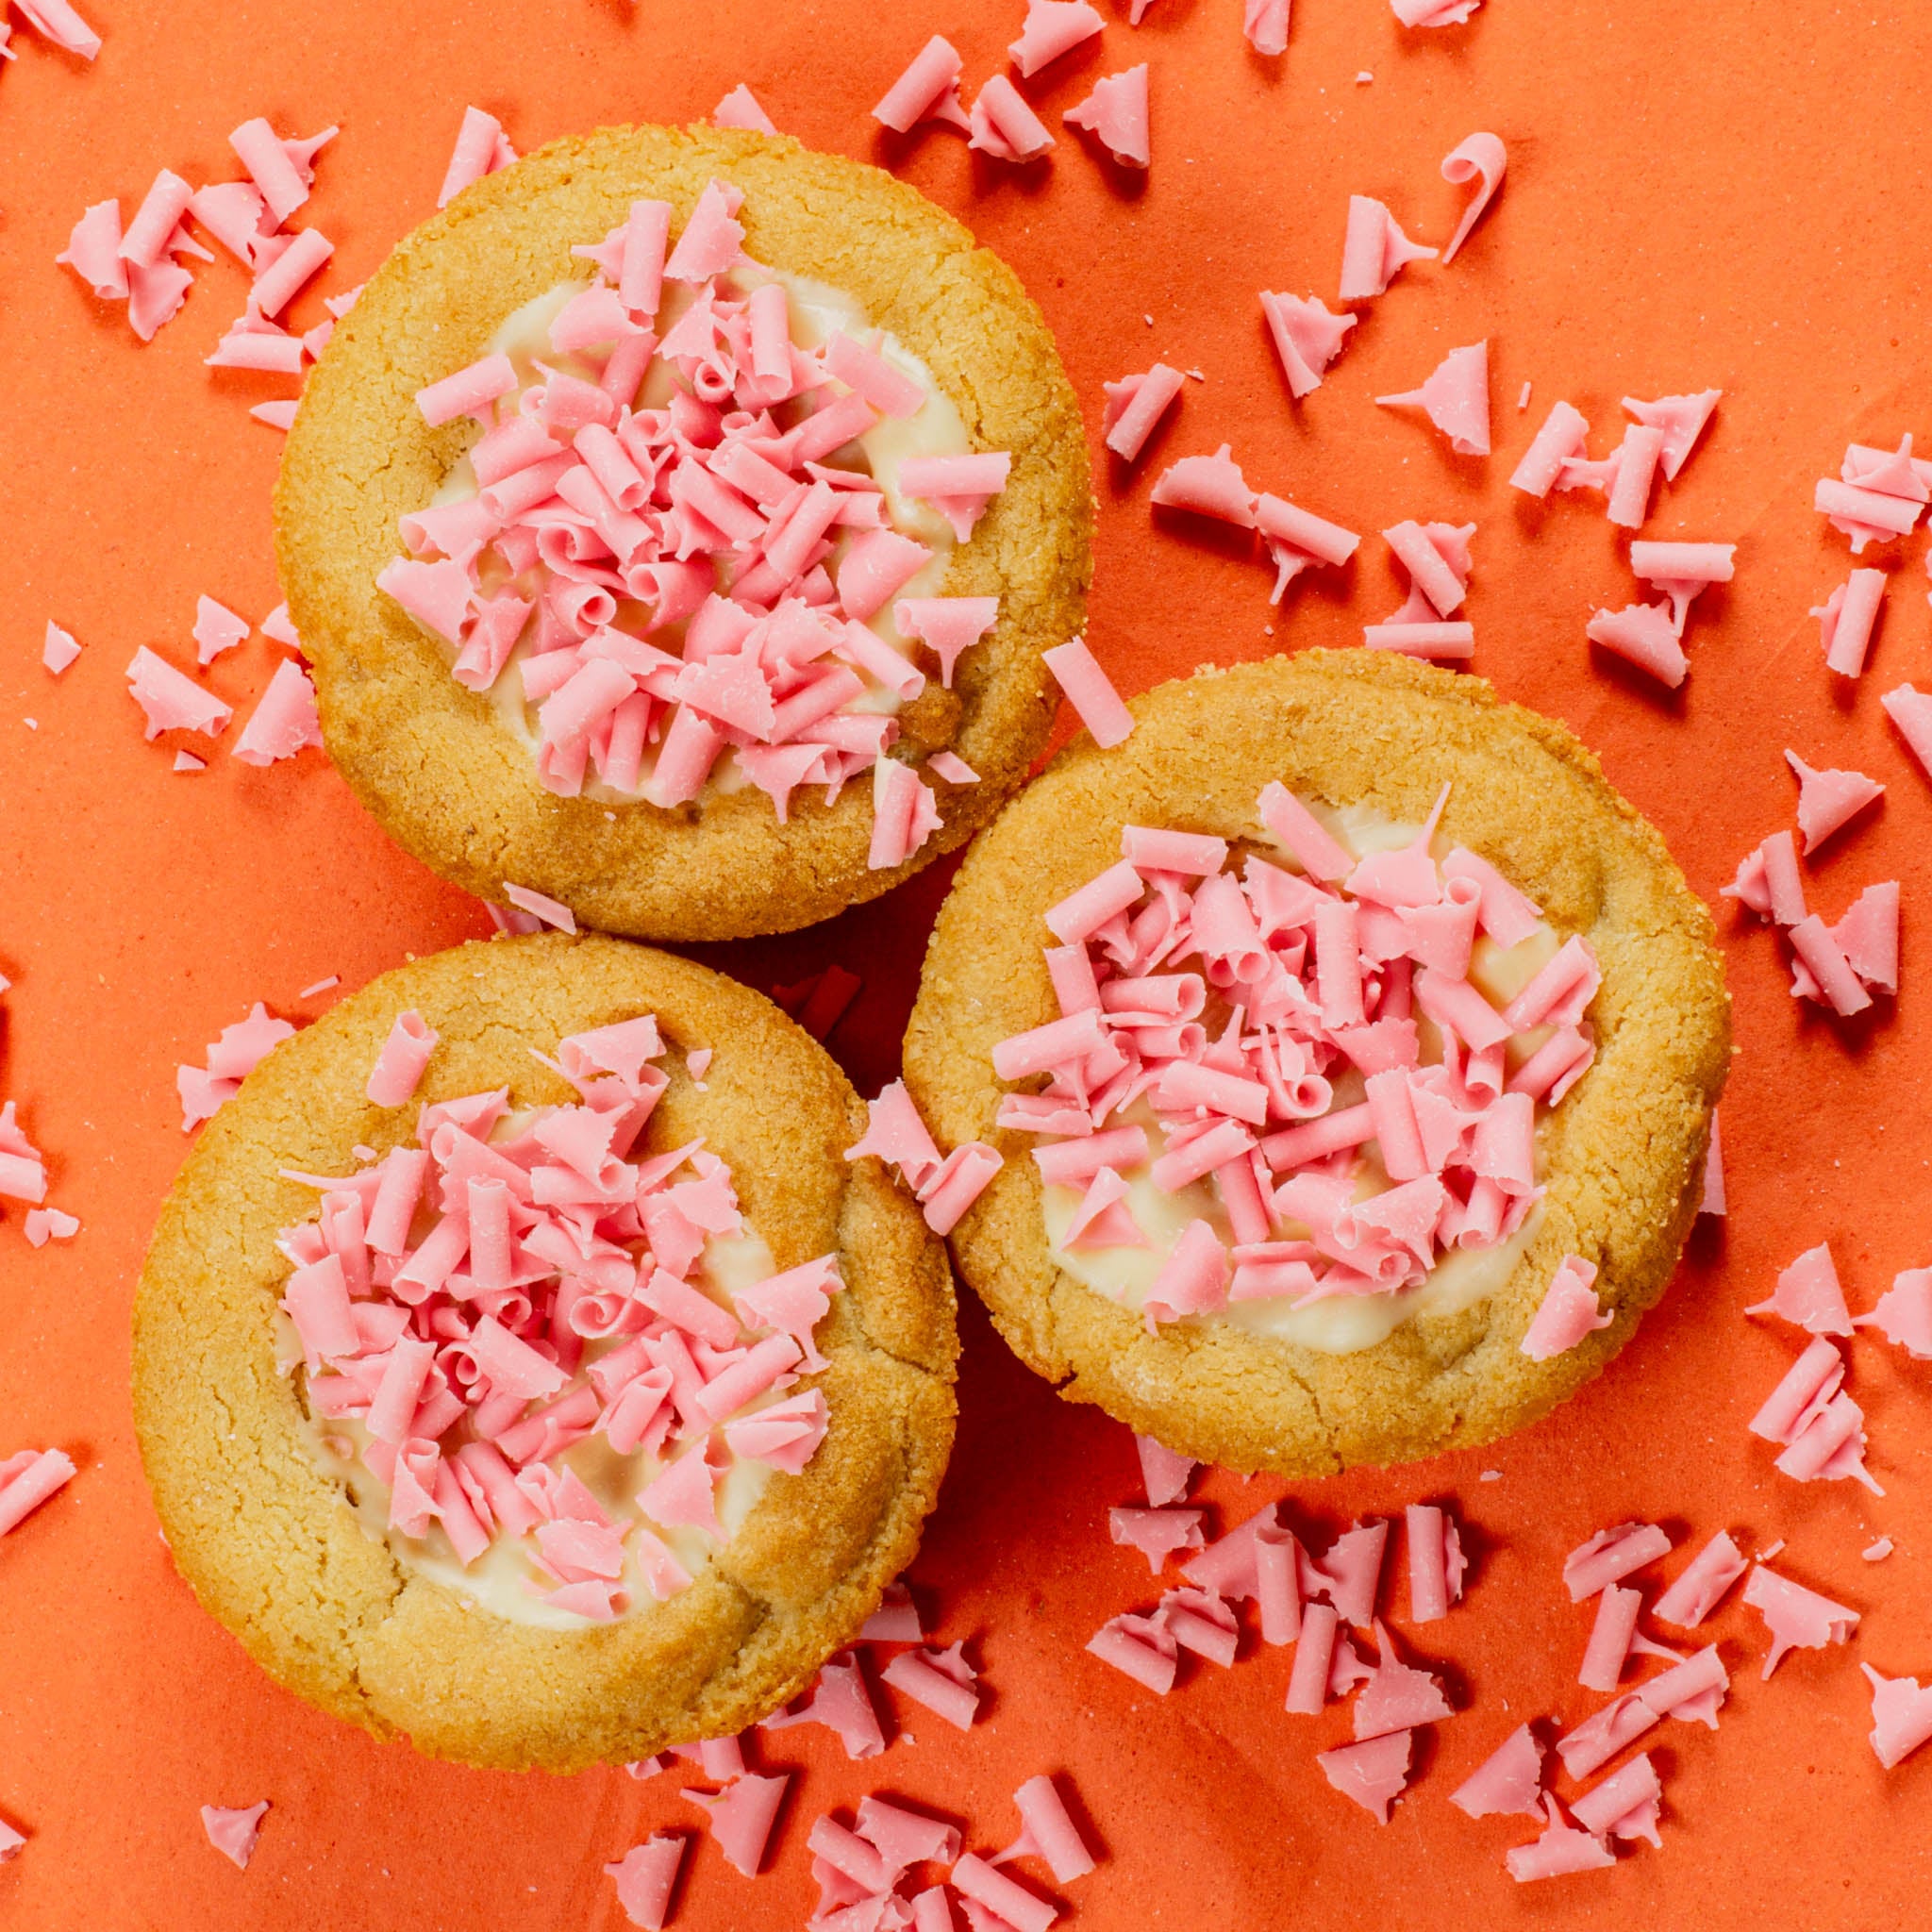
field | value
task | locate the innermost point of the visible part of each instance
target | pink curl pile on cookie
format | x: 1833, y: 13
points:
x: 602, y: 523
x: 482, y: 1305
x: 1321, y: 971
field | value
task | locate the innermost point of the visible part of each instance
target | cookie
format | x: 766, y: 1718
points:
x: 322, y: 1487
x: 814, y: 709
x: 1483, y: 1027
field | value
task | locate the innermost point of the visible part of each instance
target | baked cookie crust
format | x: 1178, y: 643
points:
x: 1623, y: 1153
x: 431, y: 760
x: 266, y: 1539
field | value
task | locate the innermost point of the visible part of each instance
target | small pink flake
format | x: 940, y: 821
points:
x: 319, y: 986
x: 1877, y: 1552
x: 233, y: 1833
x: 187, y: 762
x: 1090, y: 692
x: 952, y: 768
x: 739, y: 109
x: 12, y: 1836
x: 60, y: 650
x: 44, y: 1225
x: 276, y: 415
x: 1456, y: 398
x: 645, y: 1876
x: 551, y: 912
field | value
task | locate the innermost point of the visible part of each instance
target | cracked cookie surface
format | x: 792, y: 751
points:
x: 1623, y: 1154
x: 432, y: 762
x: 265, y: 1537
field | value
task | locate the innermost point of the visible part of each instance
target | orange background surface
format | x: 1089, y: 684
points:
x: 1728, y: 194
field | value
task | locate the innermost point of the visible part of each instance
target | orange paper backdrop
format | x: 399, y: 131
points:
x: 1726, y: 194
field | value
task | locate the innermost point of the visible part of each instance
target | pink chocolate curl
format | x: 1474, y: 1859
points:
x: 1797, y: 1618
x: 28, y: 1479
x: 1308, y: 337
x: 927, y: 90
x: 1264, y: 24
x: 94, y: 252
x: 1681, y: 418
x: 645, y: 1876
x: 940, y: 1680
x: 1828, y: 800
x: 1808, y: 1296
x: 1902, y: 1314
x: 285, y: 721
x: 1053, y: 27
x: 1456, y: 398
x: 1901, y: 1716
x: 1509, y: 1780
x: 1115, y: 113
x: 1610, y: 1555
x: 1135, y: 405
x: 1374, y: 250
x: 1090, y: 692
x: 1558, y: 442
x: 741, y: 1817
x: 1643, y: 635
x: 1372, y: 1774
x: 1050, y: 1834
x: 481, y: 149
x: 1004, y: 127
x: 171, y: 700
x: 1561, y: 1850
x: 1703, y: 1583
x: 405, y: 1056
x: 1481, y: 158
x: 739, y: 109
x: 1846, y: 620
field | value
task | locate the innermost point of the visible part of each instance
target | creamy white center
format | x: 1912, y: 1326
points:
x: 817, y: 311
x: 1339, y: 1324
